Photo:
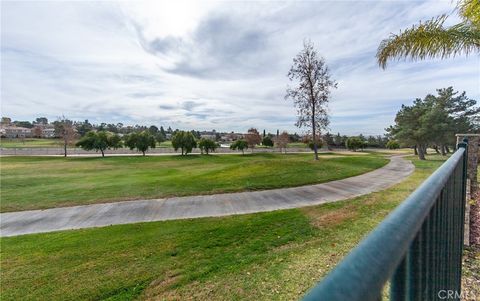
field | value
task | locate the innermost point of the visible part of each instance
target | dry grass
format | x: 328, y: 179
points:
x: 471, y: 274
x: 320, y: 219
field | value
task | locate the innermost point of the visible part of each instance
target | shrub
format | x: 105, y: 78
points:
x: 267, y: 141
x: 141, y: 141
x: 100, y: 141
x: 354, y: 143
x: 207, y: 145
x: 241, y: 145
x: 185, y: 141
x: 393, y: 144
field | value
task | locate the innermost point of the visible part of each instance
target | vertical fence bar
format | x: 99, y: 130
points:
x: 451, y: 232
x: 425, y: 257
x: 431, y: 252
x: 460, y: 208
x: 449, y: 270
x: 398, y: 283
x: 414, y: 269
x: 443, y: 239
x: 436, y: 264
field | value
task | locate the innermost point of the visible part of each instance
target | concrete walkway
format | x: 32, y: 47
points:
x: 98, y: 215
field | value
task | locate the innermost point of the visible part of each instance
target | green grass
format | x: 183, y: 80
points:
x: 265, y: 256
x: 29, y: 143
x: 164, y: 144
x: 44, y: 182
x: 297, y: 144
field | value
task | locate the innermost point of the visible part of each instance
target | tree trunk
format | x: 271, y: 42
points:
x: 65, y: 149
x: 103, y: 154
x: 442, y: 148
x: 143, y: 153
x: 415, y: 150
x: 315, y: 147
x: 447, y: 150
x: 421, y: 152
x: 435, y: 147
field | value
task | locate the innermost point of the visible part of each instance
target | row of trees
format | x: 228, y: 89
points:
x: 101, y: 141
x: 252, y: 139
x: 434, y: 120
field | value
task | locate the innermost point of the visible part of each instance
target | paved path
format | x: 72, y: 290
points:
x: 97, y: 215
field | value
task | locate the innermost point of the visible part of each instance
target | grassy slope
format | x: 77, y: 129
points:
x: 43, y: 182
x: 265, y: 256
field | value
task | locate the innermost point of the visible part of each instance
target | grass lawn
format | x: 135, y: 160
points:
x: 297, y: 144
x: 164, y: 144
x: 29, y: 143
x: 43, y: 182
x: 265, y: 256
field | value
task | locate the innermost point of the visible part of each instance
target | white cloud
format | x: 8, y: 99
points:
x: 212, y: 64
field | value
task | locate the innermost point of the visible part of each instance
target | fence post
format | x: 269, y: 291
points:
x: 466, y: 211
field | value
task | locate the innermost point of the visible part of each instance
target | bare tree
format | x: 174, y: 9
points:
x: 311, y: 94
x: 37, y: 131
x: 253, y: 138
x: 65, y: 129
x: 282, y: 141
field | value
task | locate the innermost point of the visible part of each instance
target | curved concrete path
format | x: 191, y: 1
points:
x: 98, y: 215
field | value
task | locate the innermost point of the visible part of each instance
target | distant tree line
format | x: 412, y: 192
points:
x: 105, y: 136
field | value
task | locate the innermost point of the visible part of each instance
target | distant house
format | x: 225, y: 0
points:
x: 43, y: 131
x: 48, y: 131
x: 232, y: 137
x: 212, y: 135
x: 208, y: 136
x: 16, y: 132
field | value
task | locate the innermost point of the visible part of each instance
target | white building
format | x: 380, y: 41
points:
x: 16, y: 132
x: 48, y: 132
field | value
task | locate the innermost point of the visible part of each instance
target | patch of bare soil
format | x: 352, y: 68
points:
x: 471, y: 274
x: 331, y: 218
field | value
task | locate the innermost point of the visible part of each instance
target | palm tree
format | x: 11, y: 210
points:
x: 432, y: 39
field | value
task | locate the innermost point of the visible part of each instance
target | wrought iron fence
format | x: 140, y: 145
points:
x: 418, y: 247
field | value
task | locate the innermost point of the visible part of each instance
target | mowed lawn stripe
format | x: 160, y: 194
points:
x: 46, y: 182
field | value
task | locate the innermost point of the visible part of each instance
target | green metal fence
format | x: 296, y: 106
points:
x: 418, y: 247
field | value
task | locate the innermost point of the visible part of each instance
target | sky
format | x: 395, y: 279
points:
x: 213, y: 65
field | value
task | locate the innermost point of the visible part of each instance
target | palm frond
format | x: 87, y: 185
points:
x: 469, y: 10
x: 429, y: 40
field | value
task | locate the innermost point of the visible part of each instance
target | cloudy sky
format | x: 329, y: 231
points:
x: 212, y: 65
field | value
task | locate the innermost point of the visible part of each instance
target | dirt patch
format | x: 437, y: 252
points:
x: 331, y: 218
x: 157, y: 287
x: 471, y: 274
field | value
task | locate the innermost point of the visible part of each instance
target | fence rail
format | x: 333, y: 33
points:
x: 418, y: 247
